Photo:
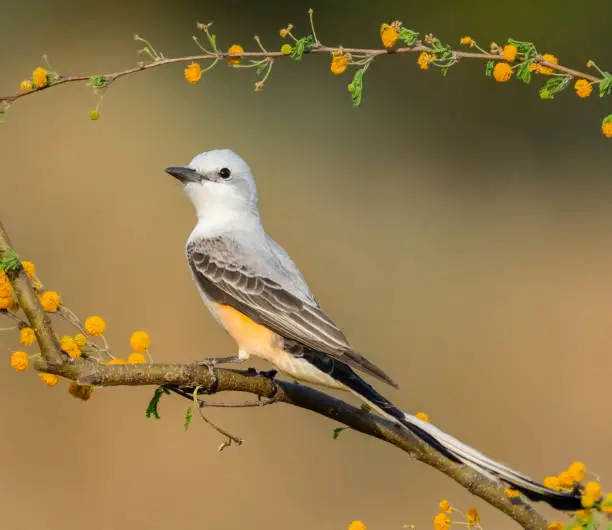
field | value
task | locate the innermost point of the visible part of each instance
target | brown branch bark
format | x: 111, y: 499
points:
x: 418, y: 48
x: 91, y: 372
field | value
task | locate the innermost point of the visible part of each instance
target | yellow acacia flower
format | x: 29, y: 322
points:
x: 83, y: 392
x: 49, y: 379
x: 441, y: 522
x: 422, y: 416
x: 577, y: 471
x: 502, y: 72
x: 5, y: 286
x: 565, y: 480
x: 50, y: 301
x: 339, y: 63
x: 445, y: 506
x: 388, y: 35
x: 80, y: 340
x: 556, y: 525
x: 606, y: 128
x: 140, y: 341
x: 357, y: 525
x: 584, y: 516
x: 95, y: 326
x: 26, y: 85
x: 467, y: 41
x: 606, y: 505
x: 472, y: 516
x: 425, y: 59
x: 512, y: 494
x: 136, y: 358
x: 193, y: 73
x: 234, y: 49
x: 39, y: 76
x: 509, y: 53
x: 6, y: 302
x: 587, y: 501
x: 27, y: 336
x: 70, y: 347
x: 593, y: 489
x: 286, y: 49
x: 29, y: 268
x: 546, y: 70
x: 552, y: 483
x: 285, y: 31
x: 117, y: 360
x: 19, y: 360
x: 583, y: 88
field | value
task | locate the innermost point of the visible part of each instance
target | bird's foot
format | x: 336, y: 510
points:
x: 211, y: 362
x: 268, y: 374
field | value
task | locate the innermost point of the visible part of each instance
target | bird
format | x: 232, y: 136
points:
x: 259, y: 296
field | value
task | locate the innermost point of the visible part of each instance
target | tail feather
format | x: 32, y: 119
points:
x: 446, y: 444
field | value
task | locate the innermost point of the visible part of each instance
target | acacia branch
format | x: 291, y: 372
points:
x: 187, y: 377
x: 368, y: 52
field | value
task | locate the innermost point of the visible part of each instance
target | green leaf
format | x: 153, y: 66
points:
x: 10, y: 261
x: 355, y: 87
x: 408, y: 36
x: 154, y: 403
x: 337, y: 432
x: 554, y: 85
x: 98, y: 81
x: 526, y: 50
x: 262, y: 67
x: 302, y: 46
x: 523, y: 73
x: 607, y: 119
x: 489, y: 68
x: 188, y: 417
x: 605, y: 86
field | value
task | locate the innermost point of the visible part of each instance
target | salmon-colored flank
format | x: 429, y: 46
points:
x: 249, y: 335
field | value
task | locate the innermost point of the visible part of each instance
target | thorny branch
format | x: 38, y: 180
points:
x: 190, y: 379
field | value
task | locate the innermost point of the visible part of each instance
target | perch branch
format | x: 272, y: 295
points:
x: 191, y: 376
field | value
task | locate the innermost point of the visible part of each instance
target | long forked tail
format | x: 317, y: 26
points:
x: 453, y: 448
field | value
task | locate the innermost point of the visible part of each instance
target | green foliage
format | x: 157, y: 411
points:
x: 355, y: 87
x: 337, y: 432
x: 302, y: 46
x: 605, y: 86
x: 10, y: 261
x: 188, y: 417
x: 489, y: 68
x: 98, y: 81
x: 523, y: 73
x: 409, y: 36
x: 526, y: 50
x: 554, y: 85
x: 152, y: 409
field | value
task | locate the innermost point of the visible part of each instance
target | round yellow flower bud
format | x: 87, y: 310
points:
x: 19, y: 360
x: 49, y: 379
x: 234, y: 49
x: 193, y: 73
x: 388, y: 35
x: 509, y: 53
x: 29, y: 268
x: 140, y: 341
x: 136, y: 358
x: 502, y: 72
x: 27, y: 336
x: 39, y: 76
x: 95, y: 326
x: 286, y: 49
x: 50, y: 301
x: 26, y: 85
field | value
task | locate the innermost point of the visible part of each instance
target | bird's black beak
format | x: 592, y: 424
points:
x: 184, y: 174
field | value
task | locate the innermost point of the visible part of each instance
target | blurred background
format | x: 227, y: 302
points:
x: 473, y: 218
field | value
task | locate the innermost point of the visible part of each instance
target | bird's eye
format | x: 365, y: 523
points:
x: 224, y: 173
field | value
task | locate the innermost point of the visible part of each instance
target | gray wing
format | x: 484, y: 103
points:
x: 223, y: 273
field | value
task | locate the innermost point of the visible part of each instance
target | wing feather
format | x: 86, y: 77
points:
x: 221, y: 273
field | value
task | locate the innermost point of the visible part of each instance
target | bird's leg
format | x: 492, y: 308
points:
x: 269, y: 374
x: 211, y: 362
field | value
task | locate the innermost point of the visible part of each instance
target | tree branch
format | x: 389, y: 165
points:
x: 187, y: 377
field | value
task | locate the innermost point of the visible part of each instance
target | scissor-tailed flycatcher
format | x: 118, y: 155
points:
x: 258, y: 295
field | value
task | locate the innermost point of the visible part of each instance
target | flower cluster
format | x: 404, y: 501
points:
x: 442, y: 520
x: 81, y: 344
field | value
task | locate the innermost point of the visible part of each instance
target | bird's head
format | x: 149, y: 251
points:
x: 217, y: 179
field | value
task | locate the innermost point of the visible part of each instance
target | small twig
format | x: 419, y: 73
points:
x: 230, y: 437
